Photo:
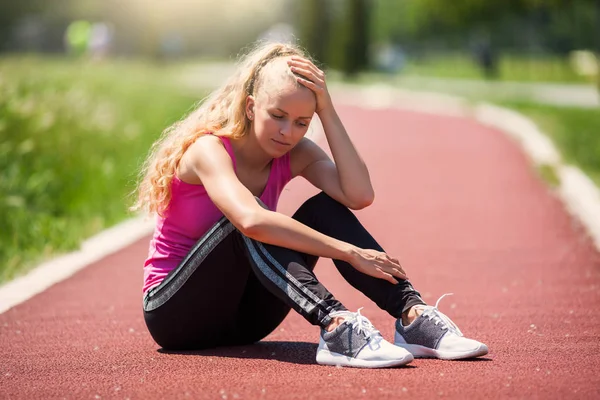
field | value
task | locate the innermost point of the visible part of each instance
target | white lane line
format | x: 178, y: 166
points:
x: 582, y: 197
x: 538, y: 146
x: 60, y: 268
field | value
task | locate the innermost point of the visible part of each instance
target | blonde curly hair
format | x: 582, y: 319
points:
x: 222, y: 113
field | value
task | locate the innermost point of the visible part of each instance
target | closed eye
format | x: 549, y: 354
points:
x: 303, y: 124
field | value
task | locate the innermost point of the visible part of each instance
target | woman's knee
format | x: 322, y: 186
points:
x: 322, y: 199
x: 322, y: 206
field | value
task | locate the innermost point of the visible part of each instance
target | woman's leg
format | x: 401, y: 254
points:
x: 214, y: 298
x: 195, y: 305
x: 331, y: 218
x: 288, y: 275
x: 231, y: 289
x: 430, y: 334
x: 253, y: 324
x: 328, y: 216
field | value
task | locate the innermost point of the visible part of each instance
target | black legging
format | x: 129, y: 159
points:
x: 231, y: 289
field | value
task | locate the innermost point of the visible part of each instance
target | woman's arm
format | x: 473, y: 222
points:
x: 308, y: 160
x: 212, y: 164
x: 352, y: 172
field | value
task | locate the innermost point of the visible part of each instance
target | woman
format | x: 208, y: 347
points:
x: 224, y: 268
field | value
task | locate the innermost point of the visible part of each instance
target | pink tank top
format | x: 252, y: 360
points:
x: 191, y: 213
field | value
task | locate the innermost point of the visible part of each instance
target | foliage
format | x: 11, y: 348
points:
x: 337, y: 33
x: 553, y: 25
x: 72, y: 135
x: 512, y: 67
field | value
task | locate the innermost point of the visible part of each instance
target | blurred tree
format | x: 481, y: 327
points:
x: 12, y: 12
x: 548, y: 14
x: 598, y: 45
x: 562, y: 25
x: 357, y: 49
x: 48, y: 20
x: 314, y: 28
x: 337, y: 32
x: 532, y: 26
x: 391, y: 20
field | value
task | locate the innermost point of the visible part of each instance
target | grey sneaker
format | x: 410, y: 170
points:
x: 356, y: 343
x: 433, y: 335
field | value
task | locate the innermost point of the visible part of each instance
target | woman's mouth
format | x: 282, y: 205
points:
x: 280, y: 143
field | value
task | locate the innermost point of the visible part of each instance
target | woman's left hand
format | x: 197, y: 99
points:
x: 314, y: 79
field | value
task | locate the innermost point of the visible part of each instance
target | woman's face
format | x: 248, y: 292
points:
x: 281, y: 118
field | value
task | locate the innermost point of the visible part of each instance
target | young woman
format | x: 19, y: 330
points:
x: 224, y: 268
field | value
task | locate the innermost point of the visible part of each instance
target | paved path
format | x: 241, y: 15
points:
x: 460, y: 207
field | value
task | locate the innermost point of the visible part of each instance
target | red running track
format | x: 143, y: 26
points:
x: 456, y: 202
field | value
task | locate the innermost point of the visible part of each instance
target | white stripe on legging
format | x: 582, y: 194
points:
x: 288, y: 289
x: 292, y: 279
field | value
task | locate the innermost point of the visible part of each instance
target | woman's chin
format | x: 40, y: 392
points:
x: 278, y: 149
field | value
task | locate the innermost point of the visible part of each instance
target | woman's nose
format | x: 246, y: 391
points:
x: 285, y: 128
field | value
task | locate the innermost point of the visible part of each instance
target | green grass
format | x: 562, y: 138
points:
x: 72, y: 137
x: 510, y: 68
x: 549, y: 174
x: 575, y: 132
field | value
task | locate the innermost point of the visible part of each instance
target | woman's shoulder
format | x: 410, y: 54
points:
x: 301, y: 148
x: 207, y: 144
x: 208, y: 138
x: 206, y: 150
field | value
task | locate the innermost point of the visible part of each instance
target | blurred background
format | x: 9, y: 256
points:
x: 535, y: 40
x: 86, y: 86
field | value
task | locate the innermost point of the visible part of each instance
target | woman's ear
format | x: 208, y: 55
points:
x: 250, y: 107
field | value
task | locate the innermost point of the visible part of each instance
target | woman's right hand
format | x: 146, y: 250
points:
x: 377, y: 264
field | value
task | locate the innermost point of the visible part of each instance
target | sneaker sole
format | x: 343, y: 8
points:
x: 425, y: 352
x: 326, y: 357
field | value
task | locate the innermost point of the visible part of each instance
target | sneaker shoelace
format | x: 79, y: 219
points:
x: 440, y: 318
x: 359, y: 322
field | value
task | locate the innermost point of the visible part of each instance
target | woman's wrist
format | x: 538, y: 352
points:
x: 348, y: 252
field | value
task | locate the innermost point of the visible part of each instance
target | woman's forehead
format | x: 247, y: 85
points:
x: 297, y: 99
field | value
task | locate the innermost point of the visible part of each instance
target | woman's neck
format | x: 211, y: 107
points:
x: 249, y: 155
